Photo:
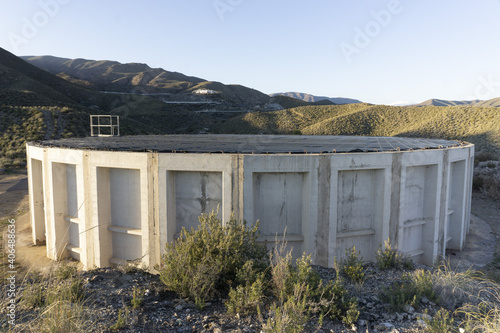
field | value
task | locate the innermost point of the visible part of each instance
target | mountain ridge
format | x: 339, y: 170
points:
x: 494, y: 102
x: 139, y: 78
x: 313, y: 98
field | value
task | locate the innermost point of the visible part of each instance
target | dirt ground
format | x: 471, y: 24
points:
x: 482, y: 248
x: 14, y: 204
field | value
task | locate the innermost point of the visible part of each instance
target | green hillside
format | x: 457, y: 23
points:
x: 495, y: 102
x: 35, y: 105
x: 479, y: 125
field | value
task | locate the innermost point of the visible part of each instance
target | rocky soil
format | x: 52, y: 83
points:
x: 110, y: 290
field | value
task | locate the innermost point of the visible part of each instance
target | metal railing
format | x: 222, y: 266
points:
x: 104, y: 125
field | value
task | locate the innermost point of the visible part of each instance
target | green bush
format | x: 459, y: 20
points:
x: 389, y: 257
x: 121, y: 321
x: 409, y: 290
x: 33, y: 295
x: 300, y: 293
x: 65, y: 271
x: 352, y: 265
x: 292, y: 315
x: 441, y: 322
x: 137, y: 298
x: 248, y: 296
x: 203, y: 262
x: 399, y: 294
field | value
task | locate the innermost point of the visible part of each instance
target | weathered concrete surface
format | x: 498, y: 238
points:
x: 108, y: 207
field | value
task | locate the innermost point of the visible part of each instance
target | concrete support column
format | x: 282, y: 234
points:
x: 153, y: 210
x: 87, y: 222
x: 396, y: 180
x: 237, y: 186
x: 322, y: 237
x: 443, y: 214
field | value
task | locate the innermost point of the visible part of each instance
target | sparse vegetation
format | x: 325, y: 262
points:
x: 352, y: 265
x: 441, y: 322
x: 137, y: 298
x: 53, y: 304
x: 65, y: 271
x: 121, y: 321
x: 409, y: 291
x: 299, y: 293
x: 388, y: 257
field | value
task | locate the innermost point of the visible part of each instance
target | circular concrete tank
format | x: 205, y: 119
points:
x: 109, y: 200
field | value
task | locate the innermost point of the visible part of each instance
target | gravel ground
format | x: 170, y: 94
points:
x: 110, y: 290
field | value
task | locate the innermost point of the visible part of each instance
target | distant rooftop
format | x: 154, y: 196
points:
x: 248, y: 144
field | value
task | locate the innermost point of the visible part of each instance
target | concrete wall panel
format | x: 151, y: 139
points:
x: 278, y: 202
x: 125, y: 197
x: 196, y: 193
x: 418, y: 212
x: 360, y: 211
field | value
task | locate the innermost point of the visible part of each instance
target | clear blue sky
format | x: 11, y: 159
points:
x: 373, y: 50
